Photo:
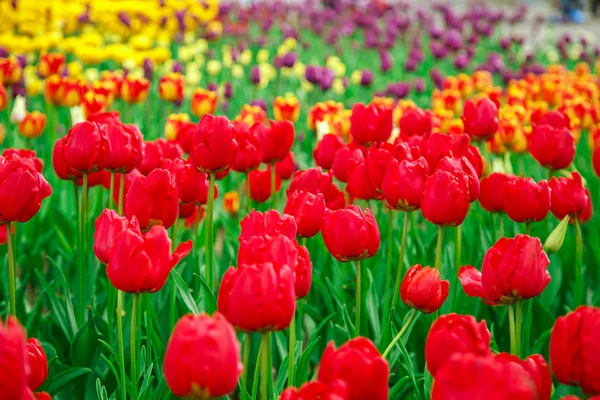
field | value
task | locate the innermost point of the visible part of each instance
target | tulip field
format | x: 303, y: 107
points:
x: 297, y: 201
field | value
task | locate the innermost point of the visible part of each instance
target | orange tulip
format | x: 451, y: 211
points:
x: 134, y: 89
x: 204, y: 102
x: 3, y: 97
x: 286, y: 108
x: 93, y: 103
x: 10, y: 71
x: 170, y: 87
x: 33, y: 124
x: 50, y: 64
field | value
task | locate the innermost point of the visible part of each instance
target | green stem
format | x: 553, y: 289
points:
x: 358, y: 297
x: 266, y: 374
x: 501, y: 225
x: 400, y: 261
x: 291, y: 359
x: 133, y: 348
x: 528, y: 228
x: 273, y: 187
x: 438, y: 248
x: 511, y: 327
x: 121, y: 193
x: 209, y: 231
x: 81, y: 270
x: 111, y: 191
x: 123, y: 383
x: 388, y: 275
x: 409, y: 320
x: 518, y: 322
x: 244, y: 383
x: 11, y: 272
x: 458, y: 247
x: 579, y: 285
x: 174, y: 234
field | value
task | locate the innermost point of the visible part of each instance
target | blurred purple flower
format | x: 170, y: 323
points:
x: 255, y: 75
x: 385, y: 60
x: 212, y: 87
x: 419, y: 85
x: 259, y: 103
x: 437, y: 77
x: 228, y: 90
x: 366, y: 78
x: 148, y: 69
x: 124, y: 17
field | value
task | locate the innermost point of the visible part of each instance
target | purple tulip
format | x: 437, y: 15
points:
x: 436, y: 32
x: 124, y: 17
x: 259, y: 103
x: 410, y: 64
x: 385, y: 60
x: 312, y: 74
x: 461, y: 61
x: 420, y: 85
x: 289, y: 59
x: 437, y: 77
x: 228, y: 90
x: 454, y: 39
x: 255, y: 75
x: 212, y: 87
x: 366, y: 78
x: 177, y: 67
x: 327, y: 78
x: 3, y: 52
x: 148, y: 67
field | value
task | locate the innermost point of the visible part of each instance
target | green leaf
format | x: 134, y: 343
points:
x: 303, y: 363
x: 373, y: 307
x: 184, y: 292
x: 210, y: 303
x: 64, y: 378
x: 67, y: 326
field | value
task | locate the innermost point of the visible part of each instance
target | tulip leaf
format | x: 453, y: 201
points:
x: 184, y: 292
x: 66, y: 377
x: 67, y: 326
x: 112, y: 368
x: 210, y: 302
x: 397, y: 391
x: 303, y: 363
x: 372, y: 304
x: 101, y: 390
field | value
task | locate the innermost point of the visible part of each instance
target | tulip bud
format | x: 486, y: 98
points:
x: 153, y: 200
x: 445, y: 198
x: 423, y: 290
x: 77, y: 115
x: 308, y: 210
x: 326, y: 149
x: 556, y: 238
x: 108, y: 226
x: 349, y: 234
x: 13, y: 360
x: 37, y: 362
x: 213, y: 145
x: 19, y: 110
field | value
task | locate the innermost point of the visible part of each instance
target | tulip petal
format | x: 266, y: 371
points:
x: 470, y: 279
x: 180, y: 252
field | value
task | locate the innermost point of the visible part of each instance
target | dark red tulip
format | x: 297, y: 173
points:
x: 470, y: 376
x: 359, y: 185
x: 325, y: 150
x: 480, y: 119
x: 192, y: 185
x: 490, y: 195
x: 153, y: 199
x: 349, y: 234
x: 141, y: 263
x: 187, y: 210
x: 568, y: 196
x: 98, y: 178
x: 286, y: 167
x: 276, y: 139
x: 315, y: 390
x: 415, y: 122
x: 108, y: 226
x: 404, y: 183
x: 513, y: 270
x: 247, y: 156
x: 345, y: 160
x: 125, y: 148
x: 574, y: 349
x: 552, y: 147
x: 28, y: 158
x: 359, y: 365
x: 524, y: 200
x: 260, y: 184
x: 423, y: 289
x: 308, y: 210
x: 370, y: 123
x: 202, y: 359
x: 270, y: 223
x: 86, y: 147
x: 21, y: 190
x: 13, y: 360
x: 214, y: 145
x: 377, y: 162
x: 440, y: 145
x: 462, y: 164
x: 258, y: 297
x: 454, y: 334
x: 537, y: 370
x: 37, y: 362
x: 445, y: 198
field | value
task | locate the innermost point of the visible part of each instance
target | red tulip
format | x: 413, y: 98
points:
x: 596, y: 161
x: 513, y: 270
x: 377, y: 161
x: 308, y: 210
x: 524, y: 200
x: 359, y: 185
x: 453, y: 334
x: 480, y: 118
x: 422, y: 289
x: 474, y: 156
x: 269, y: 223
x: 490, y: 195
x: 440, y: 145
x: 125, y: 148
x: 286, y: 167
x: 316, y: 390
x: 588, y: 211
x: 275, y: 140
x: 359, y: 365
x: 86, y: 147
x: 27, y: 158
x: 192, y: 185
x: 469, y: 376
x: 214, y: 145
x: 152, y: 154
x: 415, y: 122
x: 349, y: 234
x: 260, y: 184
x: 404, y: 183
x: 153, y: 199
x: 277, y: 249
x: 313, y: 180
x: 552, y: 147
x: 445, y: 198
x: 128, y: 180
x: 554, y: 118
x: 13, y: 360
x: 37, y: 362
x: 537, y: 370
x: 247, y: 156
x: 202, y: 359
x: 21, y: 190
x: 108, y: 226
x: 141, y: 263
x: 345, y: 160
x: 108, y: 118
x: 258, y: 297
x: 169, y: 149
x: 303, y: 272
x: 462, y: 164
x: 568, y: 196
x: 370, y: 123
x: 98, y: 178
x: 574, y: 349
x: 325, y: 150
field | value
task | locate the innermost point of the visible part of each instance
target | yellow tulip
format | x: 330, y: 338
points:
x: 213, y: 67
x: 245, y: 57
x: 237, y: 71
